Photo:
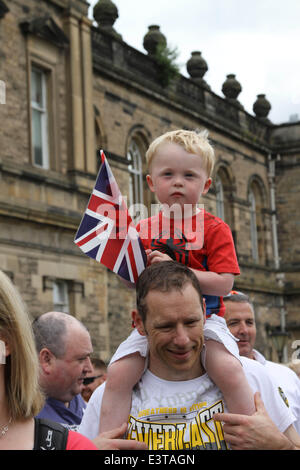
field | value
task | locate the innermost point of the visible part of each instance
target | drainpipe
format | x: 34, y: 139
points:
x: 271, y: 176
x: 279, y: 276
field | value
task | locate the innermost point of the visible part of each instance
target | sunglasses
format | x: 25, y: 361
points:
x: 90, y: 380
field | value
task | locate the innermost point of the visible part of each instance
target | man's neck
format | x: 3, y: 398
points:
x: 252, y: 355
x: 176, y: 375
x: 65, y: 403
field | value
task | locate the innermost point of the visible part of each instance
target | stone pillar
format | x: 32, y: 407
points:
x: 76, y: 160
x: 87, y: 82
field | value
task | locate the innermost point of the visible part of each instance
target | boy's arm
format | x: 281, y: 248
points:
x: 214, y: 283
x: 211, y: 283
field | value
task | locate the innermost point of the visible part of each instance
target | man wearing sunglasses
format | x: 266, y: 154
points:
x: 93, y: 379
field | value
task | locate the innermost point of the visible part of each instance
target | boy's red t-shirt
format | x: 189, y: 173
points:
x: 203, y: 242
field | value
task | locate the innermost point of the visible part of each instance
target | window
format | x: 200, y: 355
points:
x: 60, y: 296
x: 39, y: 118
x: 2, y: 92
x: 135, y: 169
x: 256, y: 200
x: 219, y: 197
x: 224, y: 188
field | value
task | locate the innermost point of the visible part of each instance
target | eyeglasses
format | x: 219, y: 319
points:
x: 90, y: 380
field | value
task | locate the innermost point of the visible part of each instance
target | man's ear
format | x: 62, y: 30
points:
x: 138, y: 322
x: 46, y: 359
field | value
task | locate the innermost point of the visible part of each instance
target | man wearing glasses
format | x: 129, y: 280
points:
x: 93, y: 379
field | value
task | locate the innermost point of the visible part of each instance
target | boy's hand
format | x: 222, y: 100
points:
x: 156, y: 257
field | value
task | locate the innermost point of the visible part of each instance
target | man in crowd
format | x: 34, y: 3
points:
x: 93, y: 379
x: 64, y: 348
x: 174, y: 402
x: 240, y: 319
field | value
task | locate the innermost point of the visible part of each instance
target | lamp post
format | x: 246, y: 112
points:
x: 279, y: 339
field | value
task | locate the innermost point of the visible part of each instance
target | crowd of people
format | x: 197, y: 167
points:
x: 188, y: 377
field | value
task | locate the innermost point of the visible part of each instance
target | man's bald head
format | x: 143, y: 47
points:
x: 51, y: 330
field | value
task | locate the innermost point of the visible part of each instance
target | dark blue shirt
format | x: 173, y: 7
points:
x: 70, y: 417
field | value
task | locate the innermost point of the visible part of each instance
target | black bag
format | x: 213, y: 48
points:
x: 49, y: 435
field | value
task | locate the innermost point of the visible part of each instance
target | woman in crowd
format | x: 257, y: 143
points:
x: 20, y: 395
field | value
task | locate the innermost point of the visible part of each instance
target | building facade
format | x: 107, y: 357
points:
x: 68, y: 89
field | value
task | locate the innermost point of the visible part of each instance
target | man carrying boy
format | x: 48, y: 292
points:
x: 180, y: 165
x: 174, y: 402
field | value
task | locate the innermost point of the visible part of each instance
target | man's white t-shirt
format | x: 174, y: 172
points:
x: 173, y: 415
x: 288, y: 383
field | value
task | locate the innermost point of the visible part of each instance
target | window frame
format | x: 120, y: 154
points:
x: 60, y: 286
x: 136, y: 187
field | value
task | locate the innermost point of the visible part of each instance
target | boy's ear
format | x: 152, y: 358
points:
x: 150, y: 182
x: 207, y: 186
x: 138, y: 322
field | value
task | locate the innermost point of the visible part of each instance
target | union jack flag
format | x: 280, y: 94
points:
x: 106, y: 232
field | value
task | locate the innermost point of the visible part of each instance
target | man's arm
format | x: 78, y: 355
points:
x: 257, y: 432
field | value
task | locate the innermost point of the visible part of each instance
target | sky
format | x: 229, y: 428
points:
x: 257, y: 40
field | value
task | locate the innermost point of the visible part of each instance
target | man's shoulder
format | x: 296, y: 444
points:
x: 254, y: 370
x: 251, y: 365
x: 78, y: 401
x: 283, y: 372
x: 51, y: 406
x: 260, y: 377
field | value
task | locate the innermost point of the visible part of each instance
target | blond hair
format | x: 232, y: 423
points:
x: 23, y: 393
x: 195, y: 142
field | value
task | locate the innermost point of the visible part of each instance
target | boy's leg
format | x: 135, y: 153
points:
x: 227, y: 373
x: 122, y: 376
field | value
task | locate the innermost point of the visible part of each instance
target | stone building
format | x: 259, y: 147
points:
x: 68, y: 89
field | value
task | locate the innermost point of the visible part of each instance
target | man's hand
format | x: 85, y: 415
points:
x: 113, y: 440
x: 256, y: 432
x: 156, y: 256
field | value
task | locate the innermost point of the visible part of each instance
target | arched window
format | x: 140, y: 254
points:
x: 224, y: 190
x: 139, y: 197
x: 257, y: 226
